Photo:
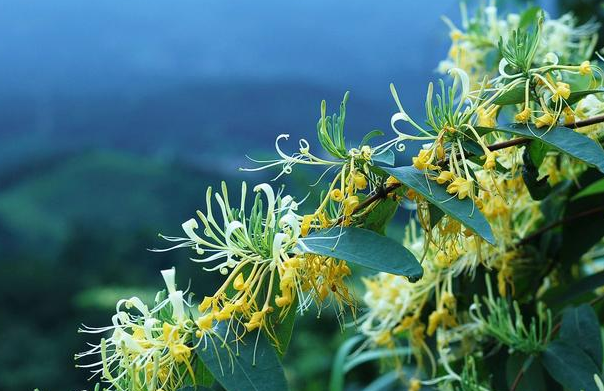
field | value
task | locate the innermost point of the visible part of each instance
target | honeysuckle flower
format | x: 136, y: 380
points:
x: 545, y: 120
x: 490, y: 161
x: 524, y: 116
x: 487, y: 117
x: 256, y: 253
x: 562, y: 91
x: 562, y: 37
x: 445, y: 176
x: 423, y: 159
x: 337, y: 195
x: 585, y: 68
x: 391, y: 181
x: 461, y: 187
x: 360, y: 181
x: 350, y: 204
x: 147, y: 348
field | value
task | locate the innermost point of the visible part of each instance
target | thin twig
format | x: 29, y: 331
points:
x: 383, y: 192
x: 546, y: 228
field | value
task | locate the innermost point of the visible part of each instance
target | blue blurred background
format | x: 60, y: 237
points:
x: 115, y: 116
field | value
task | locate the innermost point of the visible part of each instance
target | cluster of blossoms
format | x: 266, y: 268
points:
x: 474, y: 44
x: 401, y: 313
x: 148, y: 349
x: 257, y: 254
x: 476, y: 193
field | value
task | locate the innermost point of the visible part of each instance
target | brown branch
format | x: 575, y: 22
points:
x: 546, y: 228
x: 586, y: 122
x: 383, y: 192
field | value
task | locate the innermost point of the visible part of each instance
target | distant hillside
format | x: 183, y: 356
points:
x: 205, y: 121
x: 114, y: 190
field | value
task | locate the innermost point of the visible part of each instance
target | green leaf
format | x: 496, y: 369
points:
x: 538, y: 188
x: 251, y: 365
x: 512, y: 97
x: 579, y: 234
x: 362, y: 247
x: 578, y: 82
x: 336, y: 382
x: 370, y: 135
x: 560, y: 138
x: 462, y: 210
x: 537, y: 151
x: 528, y: 17
x: 284, y: 328
x: 576, y: 96
x: 386, y: 157
x: 380, y: 216
x: 570, y: 366
x: 592, y: 189
x: 565, y: 294
x: 435, y: 214
x: 203, y: 378
x: 580, y: 327
x: 532, y: 380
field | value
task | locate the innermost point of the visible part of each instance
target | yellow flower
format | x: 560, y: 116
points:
x: 423, y: 160
x: 490, y: 162
x: 487, y: 117
x: 257, y: 319
x: 226, y: 312
x: 524, y: 116
x: 366, y: 152
x: 448, y: 300
x: 440, y: 318
x: 585, y: 68
x: 496, y: 206
x: 205, y: 304
x: 350, y: 204
x: 205, y: 322
x: 391, y: 181
x: 415, y: 385
x: 337, y: 195
x: 562, y: 91
x: 440, y: 151
x: 383, y: 338
x: 460, y: 186
x: 545, y: 120
x: 456, y: 35
x: 239, y: 282
x: 305, y: 226
x: 360, y: 182
x: 569, y: 116
x: 180, y: 352
x: 445, y: 176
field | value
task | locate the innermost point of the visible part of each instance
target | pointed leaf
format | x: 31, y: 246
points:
x: 284, y: 328
x: 386, y: 157
x: 563, y: 139
x: 570, y: 366
x: 462, y: 210
x: 581, y: 328
x: 256, y: 367
x: 370, y: 135
x: 592, y: 189
x: 512, y: 97
x: 380, y: 216
x: 363, y: 247
x: 576, y: 96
